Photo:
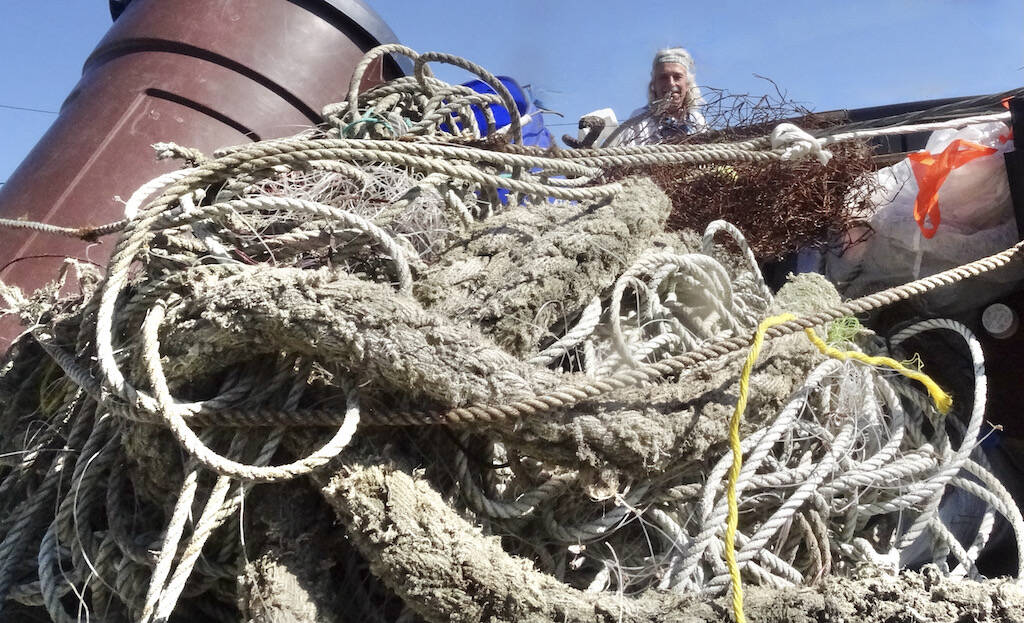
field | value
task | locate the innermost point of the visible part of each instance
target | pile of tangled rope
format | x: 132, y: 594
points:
x: 510, y: 387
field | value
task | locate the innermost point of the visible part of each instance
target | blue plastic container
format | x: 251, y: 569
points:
x: 534, y: 132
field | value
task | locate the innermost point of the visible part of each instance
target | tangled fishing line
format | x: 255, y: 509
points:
x: 495, y: 387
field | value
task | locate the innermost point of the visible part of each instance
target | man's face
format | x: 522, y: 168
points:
x: 670, y: 81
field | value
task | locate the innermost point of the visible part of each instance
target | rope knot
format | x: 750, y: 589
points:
x: 370, y: 119
x: 797, y: 144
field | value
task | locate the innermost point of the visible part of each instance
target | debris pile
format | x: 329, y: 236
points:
x: 385, y: 371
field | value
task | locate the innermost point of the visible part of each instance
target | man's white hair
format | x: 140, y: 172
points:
x: 693, y: 96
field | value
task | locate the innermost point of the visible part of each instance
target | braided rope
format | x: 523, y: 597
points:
x: 171, y: 412
x: 571, y: 394
x: 912, y: 128
x: 85, y: 233
x: 523, y: 506
x: 398, y: 254
x: 568, y: 395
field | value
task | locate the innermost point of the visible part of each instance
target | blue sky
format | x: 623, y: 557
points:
x: 580, y: 56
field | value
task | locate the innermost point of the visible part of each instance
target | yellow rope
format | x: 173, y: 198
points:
x: 943, y: 401
x: 737, y: 463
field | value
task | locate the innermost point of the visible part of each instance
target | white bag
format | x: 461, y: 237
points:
x: 977, y: 220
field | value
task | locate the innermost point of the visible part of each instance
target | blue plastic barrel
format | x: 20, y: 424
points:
x: 534, y: 132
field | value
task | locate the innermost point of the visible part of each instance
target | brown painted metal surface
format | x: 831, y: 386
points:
x: 200, y: 73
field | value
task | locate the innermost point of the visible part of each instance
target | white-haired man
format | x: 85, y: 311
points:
x: 673, y: 102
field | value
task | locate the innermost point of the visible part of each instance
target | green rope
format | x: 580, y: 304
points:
x: 367, y: 118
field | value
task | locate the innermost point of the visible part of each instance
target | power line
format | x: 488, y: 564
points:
x: 9, y: 107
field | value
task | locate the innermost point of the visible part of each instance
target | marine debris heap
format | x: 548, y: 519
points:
x: 391, y: 371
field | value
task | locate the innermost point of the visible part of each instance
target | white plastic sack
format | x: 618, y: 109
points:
x: 977, y: 220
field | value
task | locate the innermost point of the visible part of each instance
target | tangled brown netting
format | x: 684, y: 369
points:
x: 791, y: 206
